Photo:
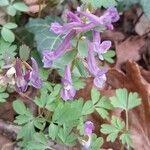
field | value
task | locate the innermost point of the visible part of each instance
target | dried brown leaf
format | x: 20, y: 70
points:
x: 130, y: 49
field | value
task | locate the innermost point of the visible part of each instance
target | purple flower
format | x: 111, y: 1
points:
x: 100, y: 48
x: 110, y: 16
x: 34, y: 76
x: 88, y: 130
x: 50, y: 56
x: 72, y: 17
x: 68, y: 91
x: 99, y: 74
x: 21, y: 80
x: 59, y: 29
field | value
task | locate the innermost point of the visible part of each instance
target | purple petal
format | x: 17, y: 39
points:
x: 90, y: 16
x: 112, y: 11
x: 35, y: 79
x: 99, y: 81
x: 49, y: 57
x: 72, y: 17
x: 85, y: 27
x: 88, y: 128
x: 110, y: 16
x: 91, y: 60
x: 56, y: 28
x: 68, y: 91
x: 96, y: 40
x: 104, y: 47
x: 68, y: 94
x: 99, y: 74
x: 21, y: 85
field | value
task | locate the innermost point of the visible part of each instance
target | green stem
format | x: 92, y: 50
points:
x: 127, y: 124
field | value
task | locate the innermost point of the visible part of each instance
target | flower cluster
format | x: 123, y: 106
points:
x: 23, y: 75
x: 77, y: 24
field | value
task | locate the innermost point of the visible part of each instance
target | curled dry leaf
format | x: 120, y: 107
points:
x: 139, y: 117
x: 143, y: 25
x: 130, y: 49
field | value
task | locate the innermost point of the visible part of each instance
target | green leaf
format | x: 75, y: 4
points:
x: 3, y: 95
x: 124, y: 100
x: 66, y: 114
x: 19, y: 107
x: 53, y: 131
x: 102, y: 112
x: 96, y: 142
x: 40, y: 137
x: 78, y: 83
x: 95, y: 95
x: 4, y: 2
x: 42, y: 101
x: 6, y: 49
x: 82, y: 48
x: 109, y: 56
x: 43, y: 36
x: 126, y: 139
x: 118, y: 123
x: 102, y: 105
x: 11, y: 10
x: 7, y: 35
x: 22, y: 119
x: 113, y: 129
x: 10, y: 25
x: 100, y: 3
x: 133, y: 100
x: 39, y: 123
x: 24, y: 52
x: 112, y: 137
x: 79, y: 69
x: 66, y: 137
x: 88, y: 108
x: 64, y: 60
x: 146, y: 7
x: 20, y: 6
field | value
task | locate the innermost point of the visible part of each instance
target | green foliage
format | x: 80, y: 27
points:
x: 24, y: 52
x: 78, y: 83
x: 79, y: 69
x: 3, y: 95
x: 44, y: 38
x: 82, y: 48
x: 108, y: 56
x: 53, y: 131
x: 125, y: 100
x: 4, y: 2
x: 146, y: 7
x: 101, y: 104
x: 100, y: 3
x: 88, y: 108
x: 114, y: 129
x: 97, y: 142
x: 7, y: 35
x: 6, y: 49
x: 12, y: 7
x: 39, y: 142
